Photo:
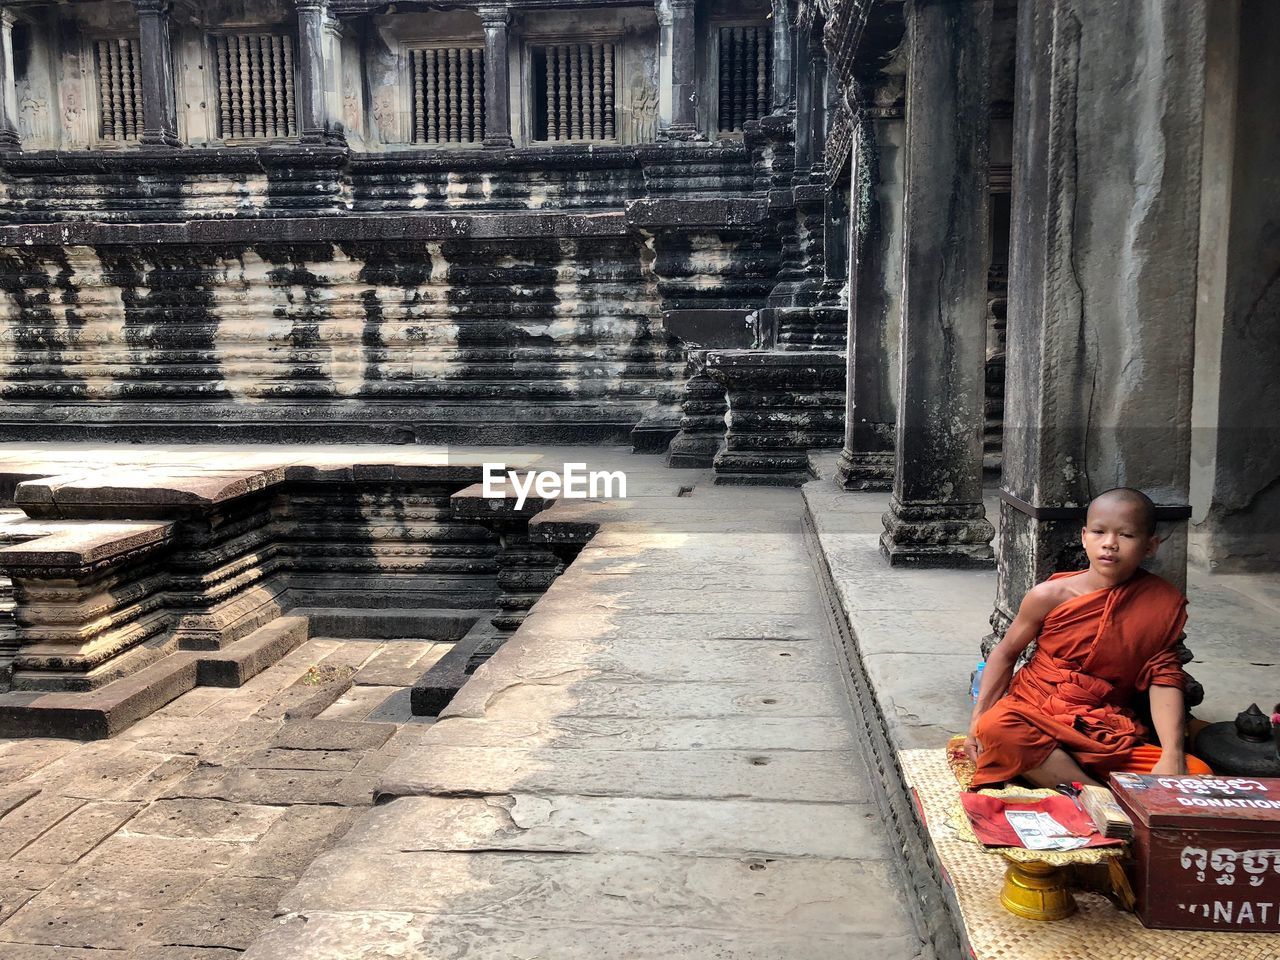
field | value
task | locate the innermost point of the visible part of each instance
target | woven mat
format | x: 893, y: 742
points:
x: 1097, y: 932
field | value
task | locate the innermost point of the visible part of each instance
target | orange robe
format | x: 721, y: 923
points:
x: 1093, y: 654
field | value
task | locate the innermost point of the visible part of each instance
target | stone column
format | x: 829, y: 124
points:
x: 682, y: 67
x: 936, y: 516
x: 1235, y: 449
x: 155, y: 53
x: 1108, y: 125
x: 875, y: 306
x: 9, y: 139
x: 783, y: 93
x: 314, y: 122
x: 804, y: 106
x: 818, y: 103
x: 497, y: 78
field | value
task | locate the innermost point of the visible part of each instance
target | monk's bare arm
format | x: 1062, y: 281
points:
x: 1168, y: 713
x: 1000, y: 662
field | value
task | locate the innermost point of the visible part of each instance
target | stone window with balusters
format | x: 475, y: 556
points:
x: 119, y: 89
x: 256, y: 79
x: 573, y: 96
x: 742, y: 74
x: 447, y: 90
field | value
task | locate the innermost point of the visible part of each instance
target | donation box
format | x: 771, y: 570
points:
x: 1205, y: 851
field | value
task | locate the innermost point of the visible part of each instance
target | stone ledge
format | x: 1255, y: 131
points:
x: 75, y: 543
x: 139, y: 493
x: 718, y: 212
x: 339, y: 228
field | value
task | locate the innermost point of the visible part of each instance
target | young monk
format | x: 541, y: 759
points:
x: 1103, y: 634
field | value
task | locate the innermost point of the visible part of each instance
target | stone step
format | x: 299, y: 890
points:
x: 411, y: 623
x: 436, y: 688
x: 246, y: 658
x: 105, y: 712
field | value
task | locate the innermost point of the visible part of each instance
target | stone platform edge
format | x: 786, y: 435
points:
x: 934, y: 906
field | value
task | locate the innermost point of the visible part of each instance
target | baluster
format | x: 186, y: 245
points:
x: 126, y: 91
x: 268, y: 86
x: 277, y: 85
x: 726, y: 70
x: 477, y: 94
x: 464, y: 94
x: 551, y: 93
x: 739, y: 77
x: 117, y: 109
x: 608, y: 91
x: 451, y: 55
x: 762, y: 72
x: 442, y: 97
x: 597, y: 91
x: 255, y: 81
x: 562, y: 58
x: 104, y: 91
x: 582, y: 58
x: 135, y: 57
x: 246, y: 86
x: 419, y: 134
x: 224, y: 96
x: 575, y: 92
x: 429, y: 98
x: 290, y: 111
x: 748, y: 75
x: 233, y: 88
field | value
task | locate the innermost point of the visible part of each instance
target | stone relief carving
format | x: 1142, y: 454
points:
x: 644, y: 110
x: 33, y: 116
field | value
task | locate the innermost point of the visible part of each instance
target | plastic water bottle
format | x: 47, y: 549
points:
x: 975, y: 685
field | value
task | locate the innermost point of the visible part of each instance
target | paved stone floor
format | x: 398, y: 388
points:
x: 660, y: 763
x: 177, y: 838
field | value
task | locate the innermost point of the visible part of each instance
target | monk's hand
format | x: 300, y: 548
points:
x: 972, y: 748
x: 1171, y: 764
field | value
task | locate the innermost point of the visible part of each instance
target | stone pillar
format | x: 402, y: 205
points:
x: 314, y: 121
x: 936, y: 516
x: 662, y: 9
x: 783, y: 93
x: 9, y: 139
x: 155, y: 52
x: 804, y: 106
x: 1108, y: 124
x: 1235, y: 447
x: 497, y: 77
x: 818, y: 102
x: 875, y: 307
x: 682, y: 68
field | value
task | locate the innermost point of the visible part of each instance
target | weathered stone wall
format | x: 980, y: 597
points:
x: 440, y: 339
x: 370, y: 288
x: 1235, y: 479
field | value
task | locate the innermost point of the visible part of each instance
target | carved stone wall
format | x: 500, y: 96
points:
x: 440, y: 340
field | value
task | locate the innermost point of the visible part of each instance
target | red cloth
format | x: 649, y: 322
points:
x: 1094, y: 652
x: 986, y: 813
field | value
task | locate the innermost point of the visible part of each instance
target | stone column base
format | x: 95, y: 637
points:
x: 937, y: 535
x: 681, y: 131
x: 781, y: 405
x: 765, y: 468
x: 860, y: 470
x: 525, y: 571
x: 702, y: 427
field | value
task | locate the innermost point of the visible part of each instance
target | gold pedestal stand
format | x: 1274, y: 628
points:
x: 1035, y: 890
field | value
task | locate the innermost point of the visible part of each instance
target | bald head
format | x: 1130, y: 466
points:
x: 1127, y: 498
